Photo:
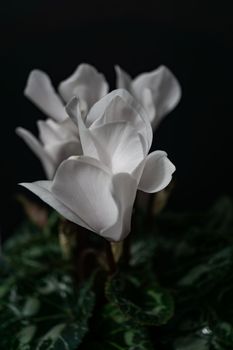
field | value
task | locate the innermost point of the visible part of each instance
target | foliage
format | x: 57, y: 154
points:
x: 174, y: 292
x: 40, y: 305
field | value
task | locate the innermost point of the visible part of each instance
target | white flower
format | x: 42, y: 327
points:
x: 97, y: 190
x: 116, y: 106
x: 57, y: 142
x: 158, y: 91
x: 86, y: 83
x: 58, y: 138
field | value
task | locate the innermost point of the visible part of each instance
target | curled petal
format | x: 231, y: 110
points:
x: 123, y: 80
x: 47, y: 134
x: 85, y: 198
x: 119, y: 105
x: 41, y: 92
x: 91, y: 146
x: 122, y: 144
x: 148, y: 103
x: 87, y: 84
x: 157, y: 172
x: 124, y: 189
x: 64, y: 130
x: 73, y: 110
x: 137, y: 173
x: 39, y: 151
x: 60, y: 151
x: 43, y: 190
x: 165, y: 89
x: 87, y: 192
x: 116, y: 143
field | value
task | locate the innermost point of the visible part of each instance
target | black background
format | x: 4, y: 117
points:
x: 193, y: 38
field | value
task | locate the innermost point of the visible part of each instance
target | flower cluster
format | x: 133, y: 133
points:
x: 95, y: 145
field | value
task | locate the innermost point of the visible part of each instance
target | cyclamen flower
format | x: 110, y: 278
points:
x: 158, y: 91
x: 57, y: 142
x: 97, y: 190
x: 86, y: 83
x: 58, y: 138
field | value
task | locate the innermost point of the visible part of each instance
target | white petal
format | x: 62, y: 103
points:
x: 39, y: 151
x: 73, y: 110
x: 58, y: 141
x: 47, y: 134
x: 90, y: 144
x: 118, y: 109
x: 122, y: 144
x: 137, y: 173
x: 119, y: 105
x: 148, y: 103
x: 97, y: 113
x: 65, y: 130
x: 62, y: 150
x: 157, y: 172
x: 87, y: 84
x: 165, y: 89
x: 123, y: 80
x: 43, y: 190
x: 124, y: 189
x: 83, y: 186
x: 116, y: 144
x: 41, y: 92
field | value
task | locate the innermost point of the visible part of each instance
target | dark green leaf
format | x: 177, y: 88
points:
x: 146, y: 304
x: 115, y: 332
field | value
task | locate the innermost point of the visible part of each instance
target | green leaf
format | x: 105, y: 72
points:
x: 188, y: 253
x: 142, y: 251
x: 222, y: 336
x: 114, y: 332
x: 25, y: 336
x: 69, y: 335
x: 59, y: 315
x: 192, y: 343
x: 146, y: 304
x: 214, y: 269
x: 6, y: 285
x: 61, y: 336
x: 220, y: 217
x: 31, y: 307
